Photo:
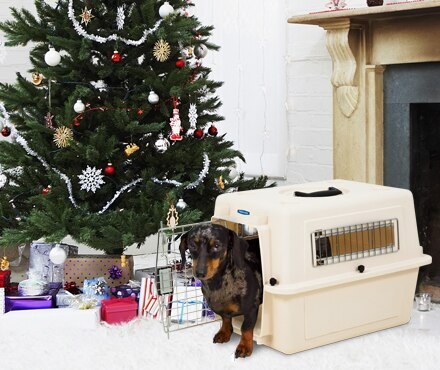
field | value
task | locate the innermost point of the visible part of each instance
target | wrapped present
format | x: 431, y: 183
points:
x: 115, y: 311
x: 14, y: 302
x: 63, y: 298
x: 57, y: 318
x: 79, y: 268
x: 148, y: 298
x: 5, y: 278
x: 144, y: 273
x: 41, y: 266
x: 70, y: 286
x: 127, y: 290
x: 97, y: 288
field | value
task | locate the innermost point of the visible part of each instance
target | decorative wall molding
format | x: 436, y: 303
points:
x: 344, y: 65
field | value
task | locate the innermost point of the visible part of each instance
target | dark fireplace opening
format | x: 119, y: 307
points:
x: 425, y: 181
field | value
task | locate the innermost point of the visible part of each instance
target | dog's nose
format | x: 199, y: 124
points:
x: 200, y: 274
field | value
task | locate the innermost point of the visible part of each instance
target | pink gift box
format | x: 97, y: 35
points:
x: 116, y: 311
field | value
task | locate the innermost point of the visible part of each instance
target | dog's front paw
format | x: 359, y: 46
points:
x: 243, y: 350
x: 222, y: 336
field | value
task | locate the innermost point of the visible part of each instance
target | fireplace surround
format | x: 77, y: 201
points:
x: 367, y: 45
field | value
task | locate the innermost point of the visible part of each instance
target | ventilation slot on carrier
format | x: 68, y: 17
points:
x: 354, y: 242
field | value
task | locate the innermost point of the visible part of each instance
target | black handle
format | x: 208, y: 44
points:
x: 322, y: 193
x: 273, y: 281
x: 361, y: 268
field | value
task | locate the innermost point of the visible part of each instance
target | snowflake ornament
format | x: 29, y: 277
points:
x: 161, y: 50
x: 91, y: 179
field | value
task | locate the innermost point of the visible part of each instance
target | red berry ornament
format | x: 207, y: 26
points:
x: 198, y: 133
x: 213, y: 131
x: 46, y: 190
x: 116, y: 57
x: 109, y: 170
x: 180, y: 63
x: 6, y: 131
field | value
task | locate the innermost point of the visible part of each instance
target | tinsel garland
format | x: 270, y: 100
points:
x: 192, y: 185
x: 82, y: 32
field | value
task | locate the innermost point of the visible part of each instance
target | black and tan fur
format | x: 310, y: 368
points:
x: 230, y: 271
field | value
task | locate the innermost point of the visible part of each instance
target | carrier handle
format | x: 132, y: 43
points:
x: 322, y: 193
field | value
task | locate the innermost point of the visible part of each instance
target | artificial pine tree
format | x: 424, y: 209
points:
x: 106, y: 138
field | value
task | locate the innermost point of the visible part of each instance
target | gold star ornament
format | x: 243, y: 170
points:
x: 86, y: 16
x: 162, y: 50
x: 63, y: 136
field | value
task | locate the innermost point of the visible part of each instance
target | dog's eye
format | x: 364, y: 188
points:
x: 216, y: 247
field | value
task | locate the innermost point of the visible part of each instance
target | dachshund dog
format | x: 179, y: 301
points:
x: 230, y: 271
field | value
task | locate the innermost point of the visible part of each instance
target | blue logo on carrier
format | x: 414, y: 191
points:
x: 243, y: 212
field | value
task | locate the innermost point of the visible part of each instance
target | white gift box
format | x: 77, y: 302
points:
x: 55, y: 318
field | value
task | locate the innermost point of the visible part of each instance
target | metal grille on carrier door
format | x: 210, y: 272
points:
x: 354, y: 242
x: 181, y: 302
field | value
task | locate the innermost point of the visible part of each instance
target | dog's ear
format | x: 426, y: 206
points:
x: 183, y: 247
x: 239, y: 248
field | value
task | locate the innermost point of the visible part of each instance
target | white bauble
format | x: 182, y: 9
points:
x: 79, y: 106
x: 57, y: 255
x: 181, y: 204
x: 153, y: 98
x: 201, y: 51
x: 52, y: 57
x: 166, y: 9
x: 233, y: 173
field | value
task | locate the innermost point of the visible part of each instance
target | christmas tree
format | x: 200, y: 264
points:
x: 113, y: 125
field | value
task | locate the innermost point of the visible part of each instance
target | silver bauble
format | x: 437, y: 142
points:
x: 200, y: 51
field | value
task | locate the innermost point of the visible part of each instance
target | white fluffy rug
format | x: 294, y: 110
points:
x: 143, y: 344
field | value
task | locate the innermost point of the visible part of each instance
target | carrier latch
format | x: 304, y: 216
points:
x: 361, y: 268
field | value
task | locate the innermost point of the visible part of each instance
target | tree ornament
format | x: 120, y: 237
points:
x: 181, y: 204
x: 188, y: 52
x: 48, y: 119
x: 116, y: 57
x: 4, y: 264
x: 161, y: 144
x: 161, y: 50
x: 180, y: 63
x: 175, y: 123
x: 153, y: 98
x: 86, y: 16
x: 91, y: 179
x: 233, y: 173
x: 109, y: 169
x: 200, y: 51
x: 3, y: 180
x: 62, y: 136
x: 46, y: 190
x: 37, y: 78
x: 130, y: 149
x: 57, y: 255
x: 212, y: 130
x: 198, y: 133
x: 6, y: 131
x: 172, y: 217
x: 220, y: 183
x: 165, y: 10
x: 79, y: 106
x: 52, y: 57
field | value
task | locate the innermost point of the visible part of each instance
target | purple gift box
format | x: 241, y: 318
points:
x: 17, y: 302
x: 123, y: 291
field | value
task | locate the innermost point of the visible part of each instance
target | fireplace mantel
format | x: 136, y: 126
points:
x: 361, y: 42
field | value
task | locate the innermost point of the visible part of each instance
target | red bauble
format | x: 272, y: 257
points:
x: 110, y: 169
x: 46, y: 190
x: 213, y: 131
x: 116, y: 57
x: 6, y: 131
x: 140, y: 112
x: 180, y: 63
x: 198, y: 133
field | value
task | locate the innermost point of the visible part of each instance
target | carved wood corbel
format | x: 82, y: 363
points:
x: 344, y: 65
